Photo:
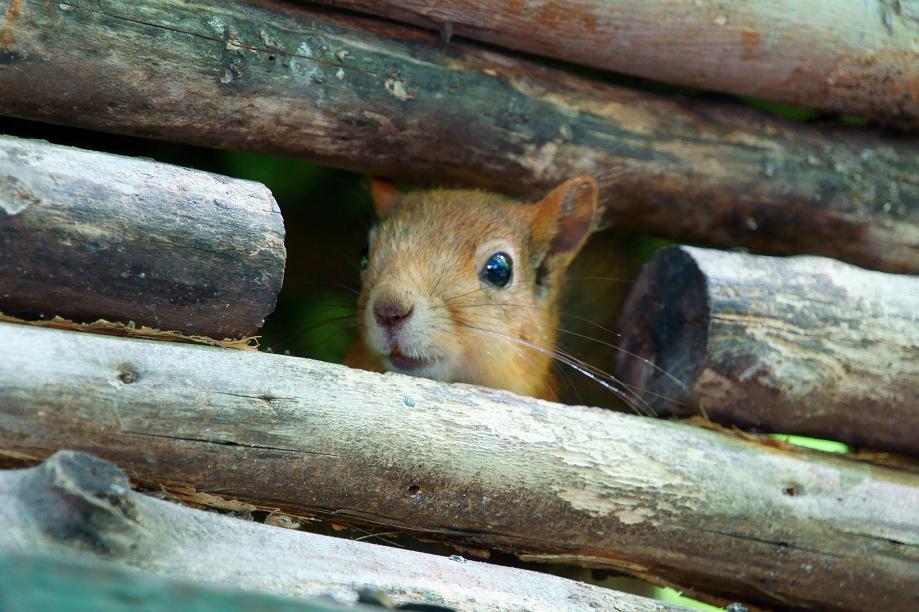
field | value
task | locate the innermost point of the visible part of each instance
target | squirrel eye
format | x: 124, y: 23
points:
x: 497, y: 270
x: 365, y: 256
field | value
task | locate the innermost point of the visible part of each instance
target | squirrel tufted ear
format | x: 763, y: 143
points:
x: 384, y: 196
x: 566, y: 217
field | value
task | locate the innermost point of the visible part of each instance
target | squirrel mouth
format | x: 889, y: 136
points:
x: 405, y: 363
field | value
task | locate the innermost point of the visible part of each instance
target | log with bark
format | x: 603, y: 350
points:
x: 719, y: 513
x: 844, y: 56
x: 89, y: 236
x: 802, y: 345
x: 76, y: 503
x: 390, y: 100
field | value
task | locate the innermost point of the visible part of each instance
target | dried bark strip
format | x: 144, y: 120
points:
x: 483, y: 468
x: 247, y: 343
x: 89, y: 236
x: 393, y: 101
x: 801, y: 345
x: 76, y: 503
x: 844, y: 56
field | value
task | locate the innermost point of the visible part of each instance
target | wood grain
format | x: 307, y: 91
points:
x: 844, y: 56
x: 394, y: 101
x: 801, y: 345
x: 76, y: 503
x: 717, y: 513
x: 89, y: 236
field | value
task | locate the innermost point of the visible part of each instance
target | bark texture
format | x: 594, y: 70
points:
x: 800, y: 345
x: 718, y: 513
x: 77, y: 503
x: 846, y: 56
x: 394, y: 101
x: 90, y: 236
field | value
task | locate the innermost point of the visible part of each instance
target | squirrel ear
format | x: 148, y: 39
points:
x: 566, y: 217
x: 384, y: 196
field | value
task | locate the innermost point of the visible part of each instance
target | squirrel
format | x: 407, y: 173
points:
x: 463, y: 285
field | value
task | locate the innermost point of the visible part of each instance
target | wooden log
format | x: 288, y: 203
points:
x: 802, y: 345
x: 35, y: 582
x: 721, y: 514
x: 393, y: 101
x: 77, y: 503
x: 843, y: 56
x: 90, y: 236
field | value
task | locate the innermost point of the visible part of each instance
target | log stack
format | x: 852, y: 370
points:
x: 393, y: 101
x: 477, y: 468
x: 801, y: 345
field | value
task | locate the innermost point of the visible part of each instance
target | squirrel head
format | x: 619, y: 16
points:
x: 463, y: 285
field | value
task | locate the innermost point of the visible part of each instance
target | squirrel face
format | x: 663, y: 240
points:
x: 463, y: 285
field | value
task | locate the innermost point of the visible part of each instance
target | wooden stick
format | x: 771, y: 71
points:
x: 90, y: 236
x: 800, y: 345
x: 841, y: 56
x: 78, y: 503
x: 33, y: 581
x: 484, y: 468
x: 393, y: 101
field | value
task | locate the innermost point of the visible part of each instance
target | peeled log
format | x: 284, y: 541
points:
x: 89, y: 236
x: 483, y: 468
x: 74, y: 502
x: 801, y: 345
x: 845, y: 56
x: 394, y: 101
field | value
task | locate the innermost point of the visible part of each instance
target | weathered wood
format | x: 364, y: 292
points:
x: 76, y: 503
x: 89, y: 236
x: 394, y: 101
x: 31, y: 582
x: 846, y: 56
x: 801, y: 345
x: 485, y: 468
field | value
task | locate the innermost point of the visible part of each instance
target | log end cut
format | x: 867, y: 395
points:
x: 664, y: 330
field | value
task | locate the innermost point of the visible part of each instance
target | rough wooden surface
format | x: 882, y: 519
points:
x: 88, y: 235
x: 35, y: 582
x: 76, y: 503
x: 847, y: 56
x: 801, y: 345
x: 394, y: 101
x: 718, y: 513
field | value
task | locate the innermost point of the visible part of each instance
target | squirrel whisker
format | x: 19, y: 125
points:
x: 647, y: 362
x: 606, y: 380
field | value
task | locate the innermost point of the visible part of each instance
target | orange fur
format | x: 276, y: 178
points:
x: 425, y: 258
x: 384, y: 196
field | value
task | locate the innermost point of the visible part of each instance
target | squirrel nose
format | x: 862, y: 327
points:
x: 391, y: 313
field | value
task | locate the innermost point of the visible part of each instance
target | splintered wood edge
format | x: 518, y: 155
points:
x: 127, y: 330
